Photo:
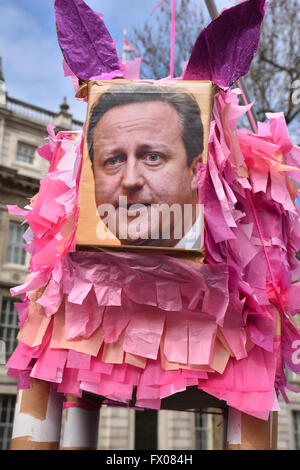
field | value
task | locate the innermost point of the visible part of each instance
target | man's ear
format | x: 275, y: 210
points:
x: 194, y: 171
x: 86, y: 44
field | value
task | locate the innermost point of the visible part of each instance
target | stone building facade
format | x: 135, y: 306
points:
x: 22, y: 130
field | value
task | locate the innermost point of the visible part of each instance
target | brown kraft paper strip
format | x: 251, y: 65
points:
x: 25, y: 443
x: 35, y: 399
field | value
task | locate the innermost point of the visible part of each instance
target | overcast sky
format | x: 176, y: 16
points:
x: 32, y: 60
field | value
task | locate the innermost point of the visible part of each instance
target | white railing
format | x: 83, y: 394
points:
x: 35, y: 113
x: 29, y: 111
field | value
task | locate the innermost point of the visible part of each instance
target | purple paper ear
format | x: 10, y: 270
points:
x: 84, y: 40
x: 224, y: 50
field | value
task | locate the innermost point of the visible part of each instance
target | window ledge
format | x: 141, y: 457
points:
x: 15, y: 267
x: 25, y: 166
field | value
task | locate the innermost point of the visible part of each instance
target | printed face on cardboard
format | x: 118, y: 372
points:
x: 143, y: 145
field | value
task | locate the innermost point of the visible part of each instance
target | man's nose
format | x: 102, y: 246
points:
x: 132, y: 178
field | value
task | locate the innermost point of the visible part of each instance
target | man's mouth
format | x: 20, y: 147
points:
x: 133, y: 205
x: 135, y: 209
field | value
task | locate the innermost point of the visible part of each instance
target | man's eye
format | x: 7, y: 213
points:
x: 153, y: 158
x: 113, y: 161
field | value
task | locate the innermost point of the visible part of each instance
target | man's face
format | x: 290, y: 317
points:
x: 139, y: 154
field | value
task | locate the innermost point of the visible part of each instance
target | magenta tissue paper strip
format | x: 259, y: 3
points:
x: 224, y: 50
x: 85, y: 42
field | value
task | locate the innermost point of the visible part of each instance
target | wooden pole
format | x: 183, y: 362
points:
x: 37, y: 421
x: 212, y: 9
x: 248, y: 433
x: 81, y: 425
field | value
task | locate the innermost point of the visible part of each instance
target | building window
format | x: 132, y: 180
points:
x: 25, y: 153
x: 296, y: 428
x: 7, y: 410
x: 9, y: 326
x: 15, y: 253
x: 201, y: 430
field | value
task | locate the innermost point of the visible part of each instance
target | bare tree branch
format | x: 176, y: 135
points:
x: 277, y: 66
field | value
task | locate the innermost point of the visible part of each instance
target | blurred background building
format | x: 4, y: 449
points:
x: 22, y: 131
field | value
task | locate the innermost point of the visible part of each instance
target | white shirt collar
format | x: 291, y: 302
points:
x: 192, y: 239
